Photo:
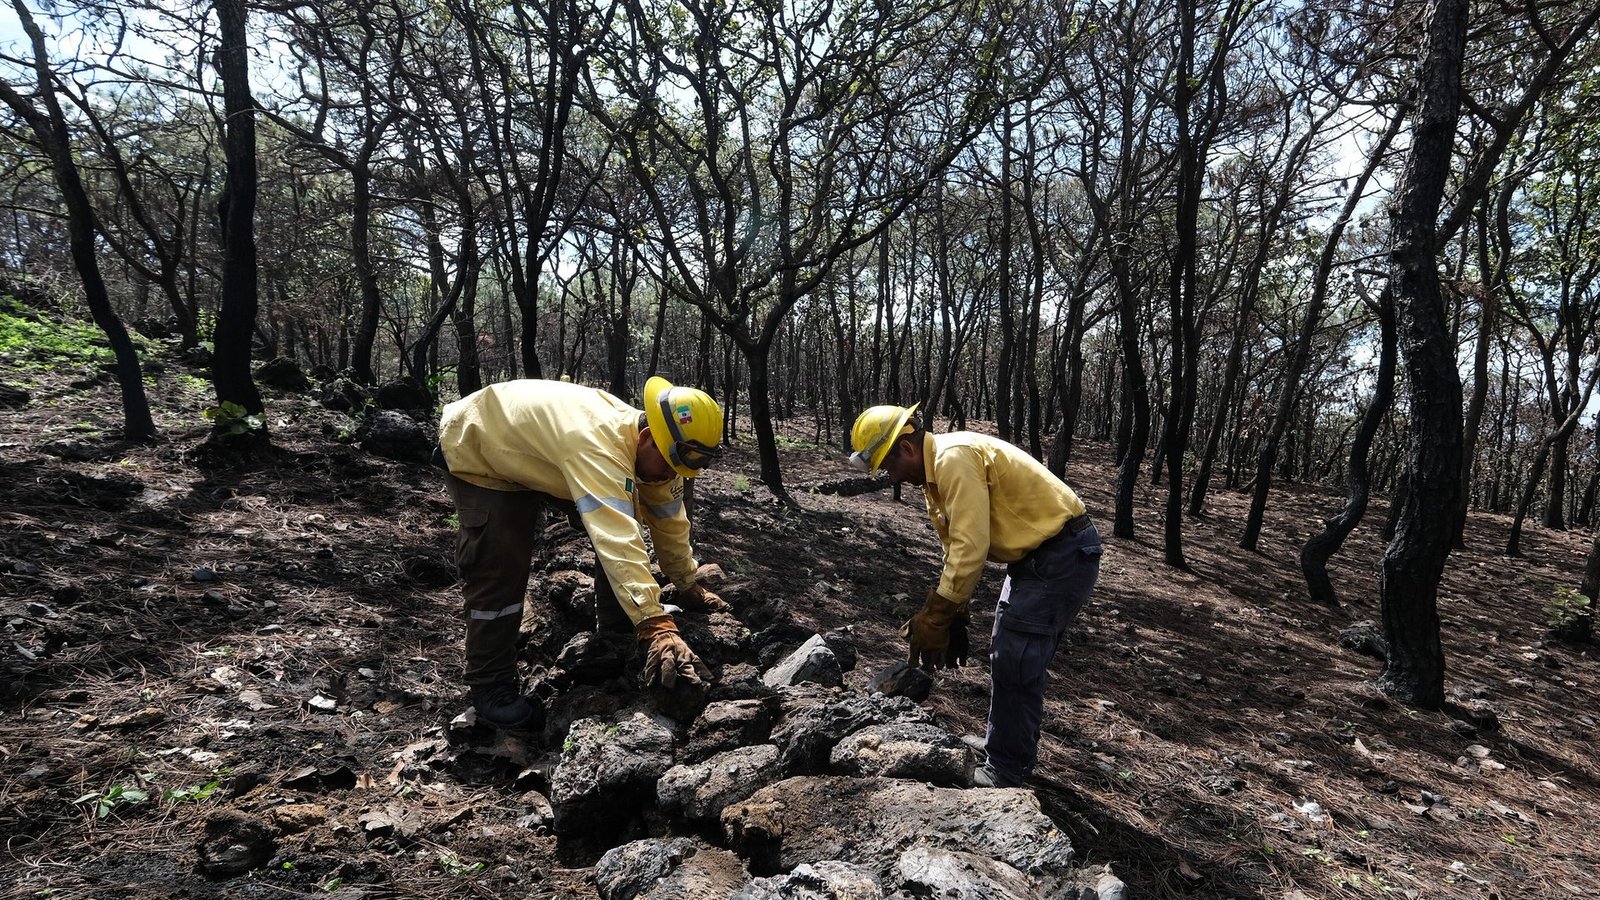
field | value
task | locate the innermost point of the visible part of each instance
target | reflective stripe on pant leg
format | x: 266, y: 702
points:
x: 1036, y: 605
x: 494, y: 547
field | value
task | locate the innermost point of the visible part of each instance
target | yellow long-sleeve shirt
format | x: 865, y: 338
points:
x: 988, y: 500
x: 576, y: 443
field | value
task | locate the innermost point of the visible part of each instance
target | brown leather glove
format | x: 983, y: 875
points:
x: 667, y: 658
x: 929, y: 630
x: 700, y: 599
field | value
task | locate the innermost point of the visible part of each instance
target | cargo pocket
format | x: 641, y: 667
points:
x: 1018, y: 659
x: 469, y: 538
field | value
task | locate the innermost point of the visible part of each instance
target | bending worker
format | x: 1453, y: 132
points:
x: 514, y: 447
x: 990, y: 500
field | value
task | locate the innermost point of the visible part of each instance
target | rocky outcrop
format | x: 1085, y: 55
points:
x: 771, y: 785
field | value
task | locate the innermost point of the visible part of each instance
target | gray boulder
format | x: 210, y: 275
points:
x: 814, y: 662
x: 675, y: 869
x: 607, y: 765
x: 905, y: 750
x: 594, y: 657
x: 343, y: 394
x: 703, y: 790
x: 402, y: 393
x: 233, y: 843
x: 728, y: 725
x: 872, y: 822
x: 814, y: 720
x: 395, y: 436
x: 825, y: 880
x: 14, y: 397
x: 1365, y: 637
x: 902, y: 680
x: 927, y: 871
x: 842, y: 641
x: 283, y: 373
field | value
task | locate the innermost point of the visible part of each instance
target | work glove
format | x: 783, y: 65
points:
x: 666, y: 657
x: 929, y: 630
x: 699, y: 599
x: 960, y: 646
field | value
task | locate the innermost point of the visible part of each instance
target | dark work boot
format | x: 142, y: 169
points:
x: 502, y: 705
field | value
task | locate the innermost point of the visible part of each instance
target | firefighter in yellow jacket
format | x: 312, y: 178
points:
x: 513, y: 447
x: 990, y: 500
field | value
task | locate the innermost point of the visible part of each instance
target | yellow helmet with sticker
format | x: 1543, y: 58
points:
x: 685, y: 423
x: 874, y: 433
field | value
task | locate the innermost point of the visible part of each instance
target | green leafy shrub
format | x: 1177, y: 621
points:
x: 1566, y: 612
x: 232, y: 419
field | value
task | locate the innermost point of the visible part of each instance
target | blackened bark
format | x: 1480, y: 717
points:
x: 1582, y: 628
x: 50, y: 129
x: 236, y: 319
x: 1414, y: 561
x: 1289, y: 385
x: 1321, y: 547
x: 1181, y: 293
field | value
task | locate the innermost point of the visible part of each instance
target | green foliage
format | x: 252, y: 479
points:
x: 232, y: 419
x: 451, y: 864
x: 741, y: 483
x: 103, y: 803
x: 35, y: 344
x: 1565, y: 609
x: 195, y: 793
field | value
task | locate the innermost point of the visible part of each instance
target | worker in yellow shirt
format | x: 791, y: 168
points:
x: 990, y: 500
x: 515, y: 447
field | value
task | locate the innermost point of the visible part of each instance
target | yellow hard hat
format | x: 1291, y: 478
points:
x: 685, y: 423
x: 875, y: 432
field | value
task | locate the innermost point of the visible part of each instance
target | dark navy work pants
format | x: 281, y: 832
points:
x: 1043, y: 592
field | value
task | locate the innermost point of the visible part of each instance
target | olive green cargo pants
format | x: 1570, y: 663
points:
x: 497, y: 536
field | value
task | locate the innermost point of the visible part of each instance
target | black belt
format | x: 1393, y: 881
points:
x: 1073, y: 527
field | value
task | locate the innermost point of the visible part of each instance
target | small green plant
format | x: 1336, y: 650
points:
x: 105, y: 802
x: 1565, y: 611
x: 232, y: 419
x: 196, y: 793
x: 452, y: 521
x: 331, y: 885
x: 741, y: 483
x: 452, y: 864
x: 1317, y: 854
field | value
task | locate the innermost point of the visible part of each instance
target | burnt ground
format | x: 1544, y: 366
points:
x: 183, y: 637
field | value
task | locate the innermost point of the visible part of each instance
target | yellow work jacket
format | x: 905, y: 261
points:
x: 988, y: 500
x: 576, y: 443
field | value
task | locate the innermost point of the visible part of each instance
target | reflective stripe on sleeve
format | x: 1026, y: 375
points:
x: 588, y: 503
x: 665, y: 510
x: 514, y: 609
